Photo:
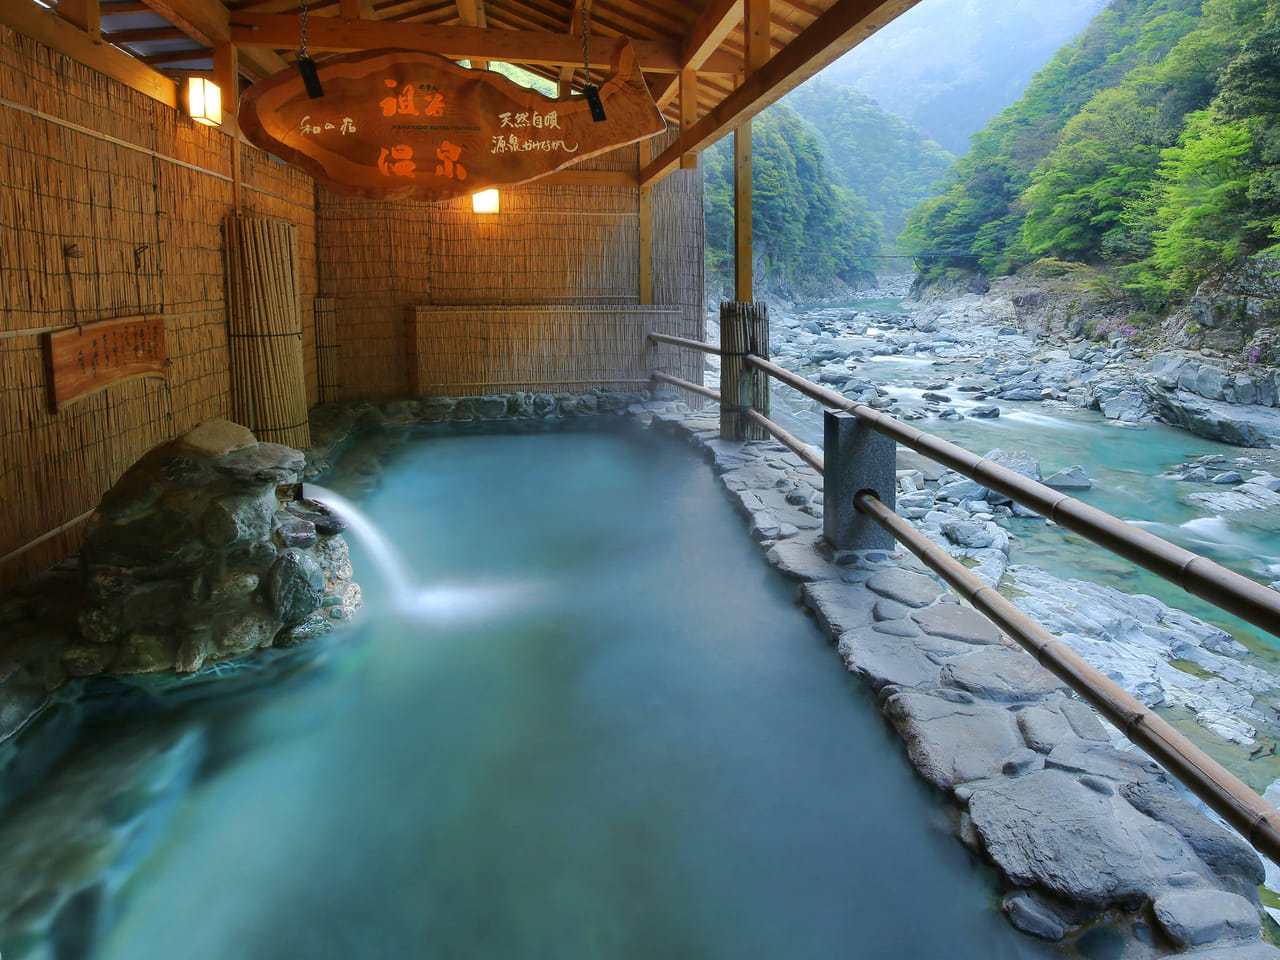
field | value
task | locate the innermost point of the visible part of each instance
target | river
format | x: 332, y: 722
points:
x: 1127, y: 462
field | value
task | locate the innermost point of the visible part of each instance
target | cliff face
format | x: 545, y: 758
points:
x: 1236, y: 316
x: 1233, y: 319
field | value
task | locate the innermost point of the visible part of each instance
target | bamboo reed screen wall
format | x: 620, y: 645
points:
x: 111, y: 205
x: 550, y: 244
x: 678, y: 232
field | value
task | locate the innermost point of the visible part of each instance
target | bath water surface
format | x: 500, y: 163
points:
x: 600, y: 728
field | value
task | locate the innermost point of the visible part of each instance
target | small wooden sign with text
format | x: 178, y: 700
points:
x: 394, y: 124
x: 84, y: 360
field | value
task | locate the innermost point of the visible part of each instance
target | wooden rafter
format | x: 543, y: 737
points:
x: 44, y: 26
x: 85, y: 14
x: 717, y: 20
x: 144, y: 36
x: 207, y: 22
x: 177, y: 56
x: 837, y: 31
x: 575, y: 29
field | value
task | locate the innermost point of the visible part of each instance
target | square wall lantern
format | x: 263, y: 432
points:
x: 204, y: 101
x: 486, y: 201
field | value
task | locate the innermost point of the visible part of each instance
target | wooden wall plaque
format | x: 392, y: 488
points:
x: 396, y: 124
x: 84, y: 360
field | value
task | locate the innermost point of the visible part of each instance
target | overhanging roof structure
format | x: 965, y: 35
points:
x: 710, y: 64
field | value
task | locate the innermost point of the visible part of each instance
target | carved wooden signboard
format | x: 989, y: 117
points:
x: 86, y: 359
x: 397, y: 124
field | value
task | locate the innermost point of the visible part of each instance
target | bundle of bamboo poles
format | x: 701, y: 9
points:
x: 268, y: 382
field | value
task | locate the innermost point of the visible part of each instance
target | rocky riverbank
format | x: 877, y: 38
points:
x: 1092, y: 840
x: 967, y: 356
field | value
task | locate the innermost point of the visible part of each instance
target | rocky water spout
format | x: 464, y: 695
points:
x: 438, y: 602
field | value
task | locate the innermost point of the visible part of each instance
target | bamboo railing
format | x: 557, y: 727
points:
x: 1256, y: 819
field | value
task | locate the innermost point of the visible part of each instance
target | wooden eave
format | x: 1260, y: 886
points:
x: 693, y: 45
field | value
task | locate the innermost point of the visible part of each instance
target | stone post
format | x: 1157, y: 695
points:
x: 744, y: 328
x: 857, y: 460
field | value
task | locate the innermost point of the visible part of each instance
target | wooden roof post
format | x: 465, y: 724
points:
x: 755, y: 29
x: 646, y: 245
x: 688, y: 111
x: 226, y: 74
x: 742, y: 213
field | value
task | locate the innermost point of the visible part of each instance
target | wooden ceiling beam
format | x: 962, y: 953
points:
x: 85, y: 14
x: 471, y: 14
x: 458, y: 43
x: 178, y: 56
x: 717, y: 20
x: 207, y: 22
x: 575, y: 30
x: 44, y: 26
x: 835, y: 33
x: 143, y: 36
x: 258, y: 63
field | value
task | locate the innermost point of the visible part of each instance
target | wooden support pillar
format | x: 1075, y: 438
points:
x: 742, y: 279
x: 744, y: 329
x: 226, y: 74
x: 688, y: 112
x: 756, y: 28
x: 646, y: 245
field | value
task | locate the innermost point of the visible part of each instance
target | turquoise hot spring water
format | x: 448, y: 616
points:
x: 581, y: 718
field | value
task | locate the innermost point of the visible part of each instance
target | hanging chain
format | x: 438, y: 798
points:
x: 302, y: 50
x: 586, y: 41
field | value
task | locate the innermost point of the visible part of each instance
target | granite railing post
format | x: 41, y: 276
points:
x: 744, y: 329
x: 858, y: 459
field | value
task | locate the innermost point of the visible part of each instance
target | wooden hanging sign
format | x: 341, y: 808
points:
x: 395, y: 124
x: 84, y: 360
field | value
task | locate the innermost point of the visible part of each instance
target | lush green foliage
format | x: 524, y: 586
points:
x: 833, y: 176
x: 884, y: 160
x: 1152, y: 143
x: 807, y: 232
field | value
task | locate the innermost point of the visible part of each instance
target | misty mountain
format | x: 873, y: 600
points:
x: 948, y: 66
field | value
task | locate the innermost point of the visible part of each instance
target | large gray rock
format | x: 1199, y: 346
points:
x: 955, y: 622
x: 1000, y: 674
x: 953, y: 742
x: 881, y: 659
x: 1192, y: 918
x: 911, y: 589
x: 182, y: 561
x: 1048, y: 829
x: 1222, y: 850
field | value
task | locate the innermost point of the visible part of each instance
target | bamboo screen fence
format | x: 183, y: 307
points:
x: 550, y: 244
x: 468, y: 350
x: 268, y: 383
x: 110, y: 205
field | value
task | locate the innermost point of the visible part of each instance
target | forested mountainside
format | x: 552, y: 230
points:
x: 1150, y: 145
x: 833, y: 179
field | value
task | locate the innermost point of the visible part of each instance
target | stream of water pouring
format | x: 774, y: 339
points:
x: 441, y: 601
